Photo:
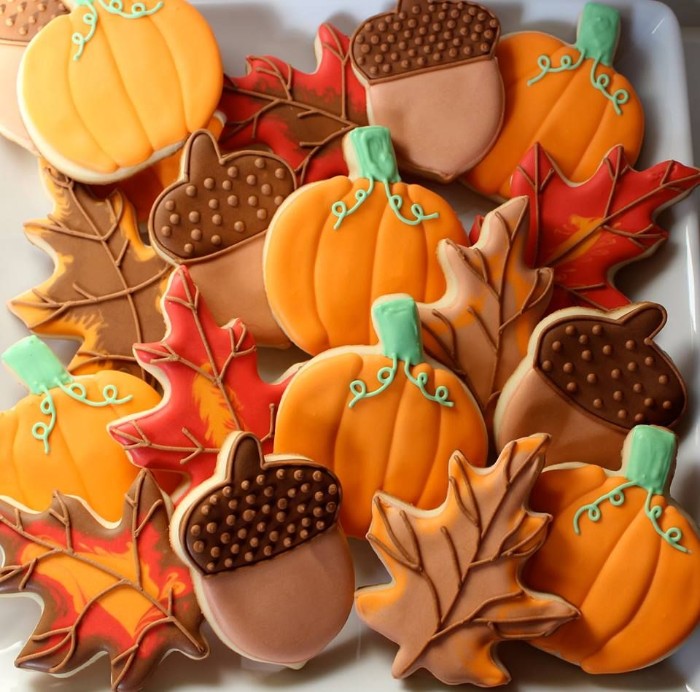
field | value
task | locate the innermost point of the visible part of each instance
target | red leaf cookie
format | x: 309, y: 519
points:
x: 586, y: 232
x: 300, y: 117
x: 212, y: 387
x: 117, y: 589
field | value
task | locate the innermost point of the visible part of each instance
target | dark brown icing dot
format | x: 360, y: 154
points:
x: 251, y: 179
x: 583, y: 339
x: 568, y: 368
x: 169, y: 205
x: 597, y: 329
x: 252, y: 201
x: 209, y: 183
x: 591, y: 378
x: 632, y: 366
x: 597, y: 403
x: 630, y: 344
x: 213, y: 203
x: 196, y: 234
x: 232, y: 200
x: 587, y: 355
x: 615, y: 373
x: 607, y: 349
x: 194, y: 216
x: 188, y: 249
x: 166, y: 231
x: 556, y: 346
x: 217, y: 220
x: 191, y: 191
x: 571, y: 387
x: 622, y: 414
x: 174, y: 219
x: 618, y: 395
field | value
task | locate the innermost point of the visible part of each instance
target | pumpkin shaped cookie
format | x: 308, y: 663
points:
x: 432, y: 79
x: 56, y: 439
x: 214, y: 218
x: 568, y: 98
x: 624, y: 553
x: 114, y: 86
x: 381, y: 417
x: 336, y: 246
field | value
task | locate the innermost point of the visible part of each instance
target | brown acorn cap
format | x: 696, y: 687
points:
x: 219, y: 201
x: 21, y: 20
x: 420, y: 36
x: 261, y: 510
x: 611, y: 368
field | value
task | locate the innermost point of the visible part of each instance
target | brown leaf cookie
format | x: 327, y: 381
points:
x: 214, y: 219
x: 439, y: 58
x: 258, y: 522
x: 588, y: 378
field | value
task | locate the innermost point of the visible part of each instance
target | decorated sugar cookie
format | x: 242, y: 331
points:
x: 336, y: 246
x: 56, y: 437
x: 456, y: 590
x: 19, y: 23
x: 116, y: 85
x: 211, y: 387
x: 622, y: 551
x: 590, y: 376
x: 301, y: 117
x: 381, y: 417
x: 481, y: 327
x: 105, y: 588
x: 106, y: 283
x: 433, y: 80
x: 569, y: 98
x: 271, y: 567
x: 214, y: 218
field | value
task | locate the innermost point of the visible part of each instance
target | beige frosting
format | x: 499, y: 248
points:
x: 232, y: 286
x: 287, y: 609
x: 442, y: 122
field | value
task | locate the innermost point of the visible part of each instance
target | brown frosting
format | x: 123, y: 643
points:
x: 219, y: 201
x: 612, y: 369
x: 262, y: 509
x: 421, y: 35
x: 21, y: 20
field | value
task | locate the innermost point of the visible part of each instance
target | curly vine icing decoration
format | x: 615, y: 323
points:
x: 90, y: 18
x: 75, y: 390
x: 616, y: 497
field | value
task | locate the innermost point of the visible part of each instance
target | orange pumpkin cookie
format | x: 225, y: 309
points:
x: 19, y: 23
x: 336, y: 246
x: 568, y: 98
x: 381, y: 417
x: 624, y: 553
x: 56, y: 438
x: 456, y: 590
x: 271, y: 567
x: 116, y: 85
x: 214, y: 219
x: 590, y: 376
x: 432, y: 79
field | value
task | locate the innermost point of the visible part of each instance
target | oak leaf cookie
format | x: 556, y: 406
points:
x: 271, y: 567
x: 55, y: 438
x: 590, y: 376
x: 115, y: 589
x: 381, y: 417
x: 19, y: 23
x: 116, y: 85
x: 433, y: 80
x: 456, y: 590
x: 569, y: 98
x: 337, y: 245
x: 214, y: 219
x: 622, y: 551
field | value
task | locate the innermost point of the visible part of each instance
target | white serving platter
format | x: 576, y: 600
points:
x: 650, y: 55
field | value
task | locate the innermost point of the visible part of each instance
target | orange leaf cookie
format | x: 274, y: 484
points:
x: 481, y: 327
x: 116, y: 85
x: 432, y: 79
x: 271, y: 567
x: 624, y: 553
x: 56, y: 437
x: 381, y: 417
x: 115, y: 589
x: 568, y: 98
x: 214, y: 219
x: 590, y: 376
x: 336, y: 246
x: 456, y: 590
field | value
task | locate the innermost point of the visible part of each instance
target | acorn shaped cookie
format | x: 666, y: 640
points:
x: 588, y: 378
x: 433, y: 80
x: 271, y: 567
x: 19, y: 24
x: 214, y: 220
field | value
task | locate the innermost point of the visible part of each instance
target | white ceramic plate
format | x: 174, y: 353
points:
x: 650, y: 55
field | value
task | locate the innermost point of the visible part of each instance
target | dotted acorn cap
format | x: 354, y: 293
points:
x: 261, y: 511
x: 421, y: 36
x: 612, y: 369
x: 220, y: 201
x: 20, y: 20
